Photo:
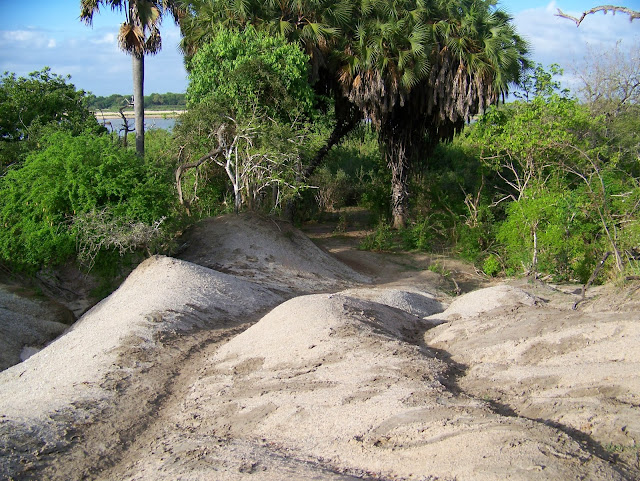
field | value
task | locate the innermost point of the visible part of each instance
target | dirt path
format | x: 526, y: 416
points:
x: 388, y: 268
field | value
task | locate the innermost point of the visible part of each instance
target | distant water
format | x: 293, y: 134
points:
x: 114, y: 125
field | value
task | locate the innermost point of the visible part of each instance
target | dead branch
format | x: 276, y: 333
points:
x: 633, y: 14
x: 101, y: 230
x: 473, y: 204
x: 591, y: 279
x: 182, y: 168
x: 125, y: 122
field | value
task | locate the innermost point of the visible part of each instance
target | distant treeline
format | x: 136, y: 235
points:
x: 115, y: 101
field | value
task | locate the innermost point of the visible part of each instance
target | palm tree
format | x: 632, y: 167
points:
x: 417, y: 69
x: 138, y: 36
x: 420, y: 70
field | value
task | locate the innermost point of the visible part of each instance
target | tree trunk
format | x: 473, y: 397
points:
x: 138, y: 100
x: 348, y: 118
x: 397, y: 161
x: 341, y: 129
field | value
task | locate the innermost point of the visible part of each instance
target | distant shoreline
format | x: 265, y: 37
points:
x: 152, y: 114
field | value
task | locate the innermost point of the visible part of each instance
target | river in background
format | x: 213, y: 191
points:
x: 116, y: 124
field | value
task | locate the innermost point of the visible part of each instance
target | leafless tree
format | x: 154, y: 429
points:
x: 610, y: 79
x: 633, y: 14
x: 126, y: 127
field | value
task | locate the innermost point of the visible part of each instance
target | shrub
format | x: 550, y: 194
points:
x: 248, y: 70
x: 491, y: 266
x: 381, y: 239
x: 68, y: 177
x: 332, y: 189
x: 31, y: 106
x: 423, y: 234
x: 553, y: 228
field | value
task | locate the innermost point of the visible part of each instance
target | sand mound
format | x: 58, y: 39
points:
x: 26, y: 326
x: 484, y: 300
x: 85, y: 371
x: 406, y: 298
x: 577, y: 369
x: 267, y: 251
x: 339, y: 379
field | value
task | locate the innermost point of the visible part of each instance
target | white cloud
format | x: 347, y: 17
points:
x: 551, y: 7
x: 107, y: 38
x: 23, y: 39
x: 52, y: 43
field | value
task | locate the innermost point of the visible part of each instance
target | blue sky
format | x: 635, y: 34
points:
x: 35, y: 33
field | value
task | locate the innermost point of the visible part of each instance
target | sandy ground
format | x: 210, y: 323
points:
x: 262, y: 355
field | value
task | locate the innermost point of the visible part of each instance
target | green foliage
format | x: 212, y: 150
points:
x: 420, y: 235
x: 540, y: 83
x: 332, y: 189
x: 424, y: 234
x: 491, y: 266
x: 249, y: 71
x: 34, y: 105
x: 367, y: 178
x: 553, y: 225
x: 527, y: 142
x: 381, y: 239
x: 438, y: 268
x: 71, y: 176
x: 476, y: 235
x: 561, y: 175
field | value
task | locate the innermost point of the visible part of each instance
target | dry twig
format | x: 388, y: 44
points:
x: 633, y: 14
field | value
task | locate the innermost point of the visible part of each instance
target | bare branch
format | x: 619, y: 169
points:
x: 101, y: 229
x: 633, y: 14
x: 182, y: 168
x: 506, y: 197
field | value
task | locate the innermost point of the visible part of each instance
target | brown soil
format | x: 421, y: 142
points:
x: 271, y: 360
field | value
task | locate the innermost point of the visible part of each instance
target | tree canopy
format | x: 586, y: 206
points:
x: 27, y: 104
x: 251, y: 71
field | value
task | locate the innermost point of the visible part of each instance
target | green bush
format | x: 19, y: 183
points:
x: 491, y: 266
x: 68, y: 177
x: 424, y: 234
x: 381, y: 239
x: 332, y: 188
x: 250, y: 70
x: 557, y: 228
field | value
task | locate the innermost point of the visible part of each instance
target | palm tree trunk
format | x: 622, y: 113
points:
x: 396, y: 153
x: 138, y: 100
